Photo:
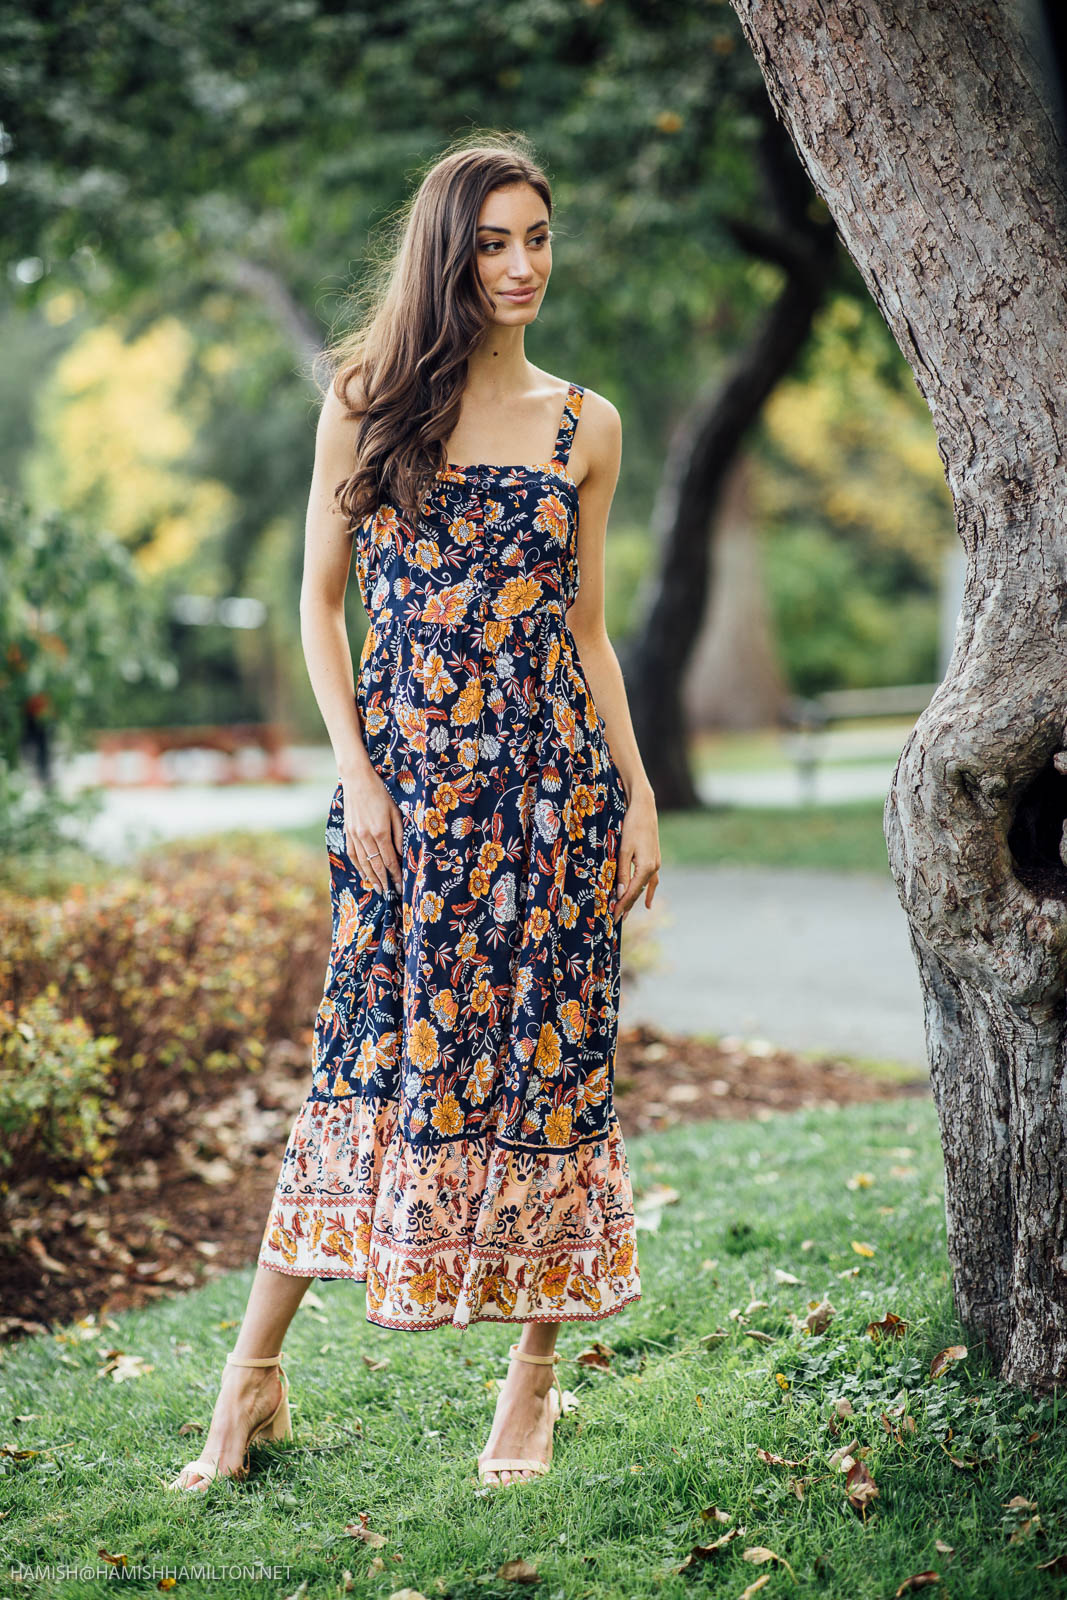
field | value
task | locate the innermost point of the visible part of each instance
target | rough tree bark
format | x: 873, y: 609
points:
x: 930, y: 133
x: 796, y: 235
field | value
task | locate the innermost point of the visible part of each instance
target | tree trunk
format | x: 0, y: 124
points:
x: 735, y: 678
x: 930, y: 135
x: 799, y: 239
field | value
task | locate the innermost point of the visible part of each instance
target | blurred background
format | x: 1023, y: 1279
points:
x: 190, y: 198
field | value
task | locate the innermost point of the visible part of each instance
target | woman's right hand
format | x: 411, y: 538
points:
x: 374, y: 828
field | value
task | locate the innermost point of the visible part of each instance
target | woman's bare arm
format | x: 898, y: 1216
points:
x: 373, y: 823
x: 601, y: 451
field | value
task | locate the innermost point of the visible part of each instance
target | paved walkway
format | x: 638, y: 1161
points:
x: 812, y: 960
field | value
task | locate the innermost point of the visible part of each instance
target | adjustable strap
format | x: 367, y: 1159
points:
x: 572, y: 408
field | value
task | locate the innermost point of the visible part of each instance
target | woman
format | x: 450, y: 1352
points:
x: 492, y: 826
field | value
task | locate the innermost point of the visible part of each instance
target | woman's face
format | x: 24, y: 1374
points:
x: 514, y: 251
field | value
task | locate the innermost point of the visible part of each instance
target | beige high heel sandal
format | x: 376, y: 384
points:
x: 277, y: 1426
x: 528, y: 1463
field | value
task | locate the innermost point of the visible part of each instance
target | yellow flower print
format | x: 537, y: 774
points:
x: 448, y: 606
x: 566, y: 724
x: 467, y: 754
x: 447, y: 1115
x: 570, y: 1014
x: 480, y: 1081
x: 422, y: 1045
x: 491, y: 854
x: 468, y: 944
x: 423, y: 1287
x: 385, y: 1050
x: 548, y: 1057
x: 568, y: 912
x: 495, y: 632
x: 468, y: 707
x: 365, y: 1063
x: 516, y: 596
x: 413, y: 724
x: 445, y: 797
x: 558, y: 1125
x: 539, y: 922
x: 430, y: 907
x: 583, y: 800
x: 433, y: 822
x: 481, y: 996
x: 479, y: 882
x: 554, y: 1281
x: 462, y: 530
x: 434, y: 676
x: 426, y: 554
x: 552, y: 518
x: 623, y: 1258
x: 444, y: 1007
x: 347, y: 918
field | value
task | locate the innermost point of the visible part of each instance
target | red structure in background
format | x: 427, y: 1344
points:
x: 229, y: 739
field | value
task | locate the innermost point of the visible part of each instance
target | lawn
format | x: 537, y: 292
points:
x: 769, y: 1217
x: 843, y: 838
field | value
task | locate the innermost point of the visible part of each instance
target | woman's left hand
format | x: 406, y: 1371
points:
x: 639, y: 855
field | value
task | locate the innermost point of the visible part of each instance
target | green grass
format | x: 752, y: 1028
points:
x: 846, y: 837
x: 670, y: 1430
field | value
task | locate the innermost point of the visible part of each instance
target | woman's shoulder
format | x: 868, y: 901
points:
x: 598, y: 436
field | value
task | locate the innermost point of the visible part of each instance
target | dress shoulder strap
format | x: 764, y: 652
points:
x: 572, y: 408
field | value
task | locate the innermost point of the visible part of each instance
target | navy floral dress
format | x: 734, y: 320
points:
x: 459, y: 1150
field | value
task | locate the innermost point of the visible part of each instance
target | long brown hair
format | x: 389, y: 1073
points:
x: 427, y: 309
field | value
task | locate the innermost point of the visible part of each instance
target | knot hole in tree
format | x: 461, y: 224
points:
x: 1036, y: 837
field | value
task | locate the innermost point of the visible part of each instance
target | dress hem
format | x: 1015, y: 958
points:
x: 401, y: 1326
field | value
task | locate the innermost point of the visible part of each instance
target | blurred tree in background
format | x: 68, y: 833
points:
x: 191, y: 192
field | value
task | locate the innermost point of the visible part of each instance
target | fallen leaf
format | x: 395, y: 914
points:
x: 862, y: 1488
x: 519, y: 1571
x: 890, y: 1326
x: 41, y: 1256
x: 818, y: 1317
x: 778, y: 1461
x: 759, y: 1553
x: 944, y: 1358
x: 376, y: 1363
x: 862, y: 1249
x: 1019, y: 1502
x: 714, y: 1514
x: 860, y: 1180
x: 784, y: 1277
x: 126, y: 1366
x: 918, y: 1580
x: 359, y: 1530
x: 596, y: 1355
x: 757, y: 1583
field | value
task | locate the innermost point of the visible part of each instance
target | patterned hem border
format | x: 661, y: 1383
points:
x: 444, y: 1322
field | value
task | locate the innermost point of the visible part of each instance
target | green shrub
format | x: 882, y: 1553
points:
x: 54, y: 1092
x: 193, y: 962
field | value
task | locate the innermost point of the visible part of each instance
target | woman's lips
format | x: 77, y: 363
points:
x: 518, y: 295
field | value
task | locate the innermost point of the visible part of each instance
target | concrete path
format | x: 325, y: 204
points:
x: 808, y: 959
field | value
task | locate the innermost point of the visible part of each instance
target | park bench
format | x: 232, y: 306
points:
x: 229, y: 739
x: 808, y: 716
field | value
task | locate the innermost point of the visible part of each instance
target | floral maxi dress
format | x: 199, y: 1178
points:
x: 459, y: 1150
